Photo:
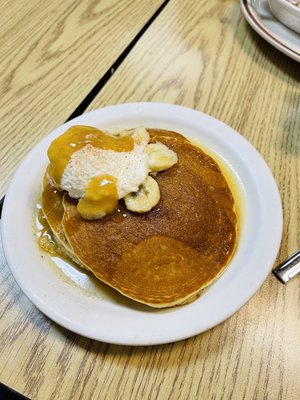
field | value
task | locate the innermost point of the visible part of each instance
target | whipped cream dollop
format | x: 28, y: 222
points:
x: 130, y: 168
x: 99, y: 168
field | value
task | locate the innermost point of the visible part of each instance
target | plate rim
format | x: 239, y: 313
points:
x: 156, y: 338
x: 250, y: 15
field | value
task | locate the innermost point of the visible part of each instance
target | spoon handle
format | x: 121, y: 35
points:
x: 288, y: 268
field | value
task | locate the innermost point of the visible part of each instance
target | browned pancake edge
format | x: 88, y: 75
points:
x: 167, y: 256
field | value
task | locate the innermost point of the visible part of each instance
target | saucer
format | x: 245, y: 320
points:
x: 260, y: 17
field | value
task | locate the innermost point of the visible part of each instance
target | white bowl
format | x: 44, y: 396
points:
x: 287, y: 13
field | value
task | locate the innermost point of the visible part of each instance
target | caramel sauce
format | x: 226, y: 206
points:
x: 100, y: 197
x: 120, y: 214
x: 77, y: 137
x: 44, y: 234
x: 232, y: 182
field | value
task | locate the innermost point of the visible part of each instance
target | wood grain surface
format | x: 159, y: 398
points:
x: 201, y: 54
x: 52, y: 53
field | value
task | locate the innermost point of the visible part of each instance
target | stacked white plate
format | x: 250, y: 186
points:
x: 263, y: 20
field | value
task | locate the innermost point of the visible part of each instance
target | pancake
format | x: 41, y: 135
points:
x: 53, y: 210
x: 164, y: 257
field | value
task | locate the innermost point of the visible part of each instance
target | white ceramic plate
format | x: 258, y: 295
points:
x: 260, y: 17
x: 103, y: 317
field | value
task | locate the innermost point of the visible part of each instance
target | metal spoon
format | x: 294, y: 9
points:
x: 288, y: 268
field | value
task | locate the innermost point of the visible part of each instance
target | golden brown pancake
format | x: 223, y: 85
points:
x: 166, y: 256
x: 53, y: 210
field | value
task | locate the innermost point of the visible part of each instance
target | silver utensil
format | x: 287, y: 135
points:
x: 288, y: 268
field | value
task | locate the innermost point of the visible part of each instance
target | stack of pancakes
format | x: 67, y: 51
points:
x: 166, y: 256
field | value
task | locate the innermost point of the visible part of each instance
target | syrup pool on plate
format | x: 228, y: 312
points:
x: 71, y: 273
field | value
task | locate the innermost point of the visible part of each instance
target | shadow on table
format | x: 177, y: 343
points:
x: 101, y: 349
x: 285, y: 69
x: 287, y: 66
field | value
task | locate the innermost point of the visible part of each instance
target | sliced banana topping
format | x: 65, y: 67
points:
x: 121, y: 132
x: 160, y: 157
x: 145, y: 199
x: 140, y: 136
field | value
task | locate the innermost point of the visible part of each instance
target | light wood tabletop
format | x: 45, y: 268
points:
x: 51, y: 57
x: 200, y: 54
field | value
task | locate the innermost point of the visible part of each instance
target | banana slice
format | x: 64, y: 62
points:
x: 141, y: 137
x: 145, y: 199
x: 160, y: 157
x: 121, y: 132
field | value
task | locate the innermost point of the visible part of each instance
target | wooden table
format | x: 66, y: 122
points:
x: 201, y: 54
x: 52, y: 55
